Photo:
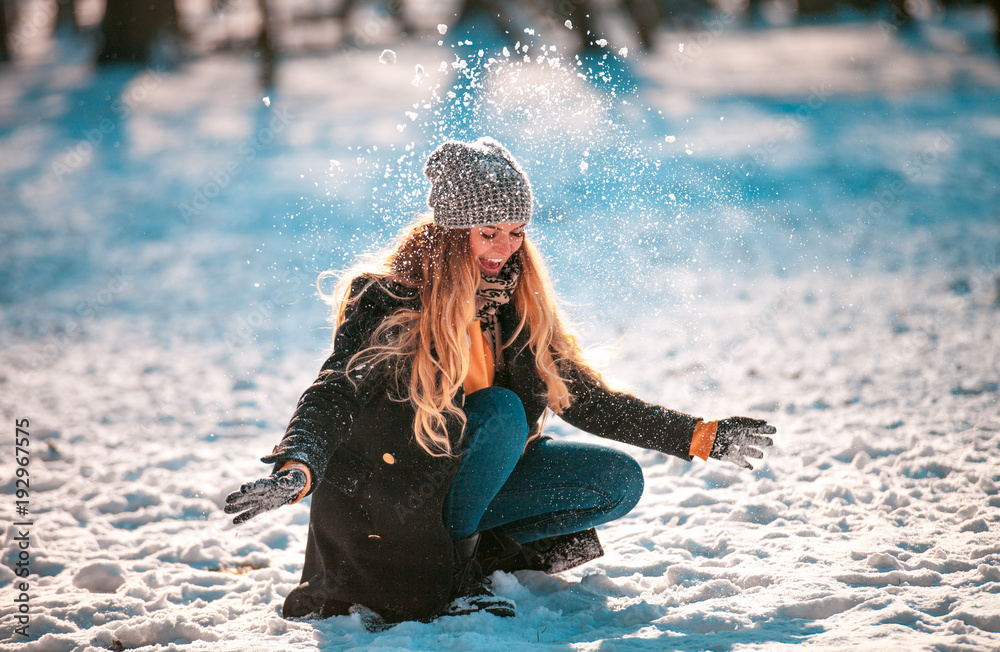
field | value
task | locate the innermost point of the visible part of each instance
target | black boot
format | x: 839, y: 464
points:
x: 550, y: 555
x: 470, y: 588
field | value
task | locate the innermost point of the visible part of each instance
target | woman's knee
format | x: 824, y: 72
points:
x: 499, y: 404
x: 495, y: 400
x: 625, y: 476
x: 500, y: 411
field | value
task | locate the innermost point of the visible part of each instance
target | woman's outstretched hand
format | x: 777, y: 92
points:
x: 738, y: 438
x: 265, y: 494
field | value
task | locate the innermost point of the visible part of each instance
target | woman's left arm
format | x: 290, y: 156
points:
x: 623, y: 417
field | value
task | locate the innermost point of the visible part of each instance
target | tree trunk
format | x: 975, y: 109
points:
x: 995, y: 5
x: 646, y: 18
x: 130, y: 27
x: 265, y: 46
x: 4, y: 46
x: 66, y: 15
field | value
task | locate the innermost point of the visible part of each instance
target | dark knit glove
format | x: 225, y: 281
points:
x: 738, y: 438
x: 265, y: 494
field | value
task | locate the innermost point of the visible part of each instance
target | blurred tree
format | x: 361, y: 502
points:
x: 816, y: 7
x: 491, y: 10
x: 129, y: 28
x: 4, y: 48
x: 396, y: 11
x: 265, y: 46
x: 644, y: 15
x: 580, y: 14
x: 646, y: 18
x: 996, y: 33
x: 901, y: 15
x: 66, y: 15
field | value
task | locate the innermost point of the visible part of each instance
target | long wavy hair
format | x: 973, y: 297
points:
x: 430, y: 341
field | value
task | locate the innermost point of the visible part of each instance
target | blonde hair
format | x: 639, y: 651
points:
x: 437, y: 263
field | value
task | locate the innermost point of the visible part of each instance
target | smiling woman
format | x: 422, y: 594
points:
x: 421, y: 442
x: 492, y: 245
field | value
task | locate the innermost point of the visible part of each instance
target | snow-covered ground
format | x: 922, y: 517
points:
x: 799, y: 224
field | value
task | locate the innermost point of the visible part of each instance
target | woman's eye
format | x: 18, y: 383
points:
x: 486, y: 236
x: 519, y: 234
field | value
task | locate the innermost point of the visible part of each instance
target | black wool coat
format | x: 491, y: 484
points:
x: 376, y: 535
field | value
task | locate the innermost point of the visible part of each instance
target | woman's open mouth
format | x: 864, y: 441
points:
x: 491, y: 266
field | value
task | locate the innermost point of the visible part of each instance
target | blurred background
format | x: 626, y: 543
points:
x: 226, y: 152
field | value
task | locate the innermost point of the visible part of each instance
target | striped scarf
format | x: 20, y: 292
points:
x: 493, y: 292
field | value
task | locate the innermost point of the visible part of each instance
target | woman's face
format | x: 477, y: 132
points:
x: 492, y: 245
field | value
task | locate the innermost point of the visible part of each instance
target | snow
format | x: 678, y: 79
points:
x: 827, y: 258
x: 100, y: 577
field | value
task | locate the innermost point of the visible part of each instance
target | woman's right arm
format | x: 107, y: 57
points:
x: 326, y: 410
x: 322, y: 418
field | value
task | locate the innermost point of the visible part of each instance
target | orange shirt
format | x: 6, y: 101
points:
x: 481, y: 364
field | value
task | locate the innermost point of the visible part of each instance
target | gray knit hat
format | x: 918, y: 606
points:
x: 476, y: 184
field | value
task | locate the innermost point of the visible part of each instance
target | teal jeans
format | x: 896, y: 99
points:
x: 552, y: 488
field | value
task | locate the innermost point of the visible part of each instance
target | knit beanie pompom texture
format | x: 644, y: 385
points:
x: 476, y: 184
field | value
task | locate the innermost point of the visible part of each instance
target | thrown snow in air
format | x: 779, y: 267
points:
x: 827, y: 258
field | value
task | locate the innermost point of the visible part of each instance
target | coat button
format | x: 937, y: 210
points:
x: 388, y: 458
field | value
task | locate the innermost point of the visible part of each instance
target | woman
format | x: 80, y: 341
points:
x: 420, y: 440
